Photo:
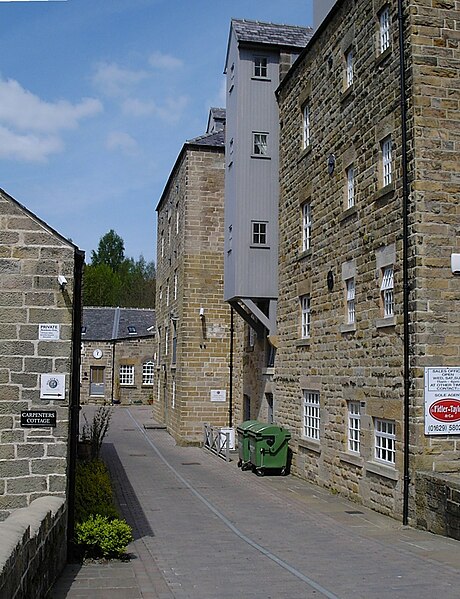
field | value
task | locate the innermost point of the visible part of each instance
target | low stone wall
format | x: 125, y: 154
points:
x: 438, y: 503
x: 33, y: 548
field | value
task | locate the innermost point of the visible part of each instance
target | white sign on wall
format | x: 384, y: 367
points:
x: 218, y: 395
x: 52, y: 386
x: 48, y: 332
x: 442, y: 401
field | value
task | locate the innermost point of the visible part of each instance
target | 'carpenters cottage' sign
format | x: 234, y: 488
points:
x: 36, y: 419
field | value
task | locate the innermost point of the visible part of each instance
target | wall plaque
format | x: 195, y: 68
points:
x: 38, y: 419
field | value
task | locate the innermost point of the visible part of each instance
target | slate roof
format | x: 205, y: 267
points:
x: 257, y: 32
x: 107, y: 324
x: 216, y: 139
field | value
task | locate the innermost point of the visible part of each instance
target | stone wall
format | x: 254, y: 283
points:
x: 33, y: 549
x: 192, y: 252
x: 438, y: 503
x: 33, y: 461
x: 127, y: 351
x: 362, y: 362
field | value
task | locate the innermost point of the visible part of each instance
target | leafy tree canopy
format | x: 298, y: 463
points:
x: 114, y: 280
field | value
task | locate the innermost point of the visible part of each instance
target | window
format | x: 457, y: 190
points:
x: 349, y: 69
x: 167, y: 294
x: 350, y: 172
x: 126, y: 373
x: 306, y: 125
x: 260, y: 147
x: 173, y: 394
x: 384, y: 29
x: 306, y: 316
x: 387, y: 291
x: 386, y: 161
x: 147, y: 373
x: 384, y: 431
x: 306, y: 226
x: 350, y: 284
x: 175, y: 285
x: 166, y: 341
x: 259, y: 233
x: 177, y: 219
x: 260, y: 66
x: 311, y: 414
x: 83, y: 330
x: 174, y: 343
x: 132, y: 330
x: 354, y: 426
x: 162, y: 245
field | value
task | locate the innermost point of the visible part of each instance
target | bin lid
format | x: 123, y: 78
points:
x: 246, y: 425
x: 263, y: 429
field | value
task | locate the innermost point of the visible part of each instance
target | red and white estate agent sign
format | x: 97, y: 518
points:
x: 442, y: 401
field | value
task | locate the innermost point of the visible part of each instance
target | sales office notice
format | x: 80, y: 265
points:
x: 442, y: 401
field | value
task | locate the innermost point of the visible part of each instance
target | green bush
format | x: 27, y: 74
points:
x: 101, y: 537
x: 93, y: 491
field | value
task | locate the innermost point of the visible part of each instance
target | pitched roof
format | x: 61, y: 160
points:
x: 216, y: 139
x: 107, y: 324
x: 257, y: 32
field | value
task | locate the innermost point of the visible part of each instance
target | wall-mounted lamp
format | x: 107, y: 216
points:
x: 201, y: 312
x: 62, y: 281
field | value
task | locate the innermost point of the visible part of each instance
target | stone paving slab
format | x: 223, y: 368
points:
x: 205, y: 530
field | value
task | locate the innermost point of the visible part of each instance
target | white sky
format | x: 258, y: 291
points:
x: 98, y: 96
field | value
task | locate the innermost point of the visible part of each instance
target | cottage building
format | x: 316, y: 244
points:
x: 40, y: 283
x: 258, y: 57
x: 117, y: 362
x: 193, y: 321
x: 368, y: 364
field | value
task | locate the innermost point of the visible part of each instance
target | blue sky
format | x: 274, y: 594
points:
x: 97, y: 98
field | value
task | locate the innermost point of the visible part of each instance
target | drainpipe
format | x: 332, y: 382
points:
x: 74, y: 409
x: 230, y: 393
x: 406, y: 289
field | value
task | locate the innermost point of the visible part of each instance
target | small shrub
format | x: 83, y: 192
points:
x: 93, y: 491
x: 100, y: 537
x: 94, y: 432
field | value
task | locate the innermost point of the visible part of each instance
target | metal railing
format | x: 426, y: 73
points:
x: 217, y: 441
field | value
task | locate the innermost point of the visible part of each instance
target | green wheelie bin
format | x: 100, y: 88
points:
x: 268, y: 448
x: 243, y: 443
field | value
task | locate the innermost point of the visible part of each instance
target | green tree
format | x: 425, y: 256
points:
x: 101, y: 286
x: 110, y: 251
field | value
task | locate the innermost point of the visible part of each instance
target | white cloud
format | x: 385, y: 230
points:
x: 23, y: 110
x: 159, y: 60
x: 135, y: 107
x: 116, y: 81
x: 118, y: 140
x: 29, y: 148
x: 170, y: 111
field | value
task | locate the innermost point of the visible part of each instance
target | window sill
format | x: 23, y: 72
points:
x: 310, y: 445
x: 348, y: 328
x: 127, y: 386
x: 173, y: 366
x: 347, y: 93
x: 351, y: 458
x: 304, y: 152
x: 269, y: 371
x: 303, y: 342
x: 389, y: 321
x: 348, y: 213
x: 382, y: 470
x: 145, y: 385
x: 255, y: 78
x: 259, y: 247
x: 304, y: 254
x: 384, y: 191
x: 260, y: 157
x: 382, y: 57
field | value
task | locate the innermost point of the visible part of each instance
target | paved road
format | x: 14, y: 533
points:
x: 205, y: 530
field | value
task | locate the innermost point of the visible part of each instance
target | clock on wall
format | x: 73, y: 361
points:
x: 97, y: 353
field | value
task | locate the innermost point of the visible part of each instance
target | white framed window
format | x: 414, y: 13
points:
x: 350, y: 172
x: 311, y: 415
x: 354, y: 426
x: 148, y: 370
x: 385, y: 440
x: 305, y: 125
x: 349, y: 69
x: 175, y: 285
x: 260, y: 144
x: 177, y: 218
x: 166, y: 341
x: 305, y: 308
x: 387, y: 175
x: 387, y: 291
x: 260, y: 66
x: 306, y: 226
x: 167, y: 294
x: 351, y: 313
x: 384, y: 29
x: 173, y: 393
x: 259, y: 233
x: 162, y: 245
x: 126, y: 374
